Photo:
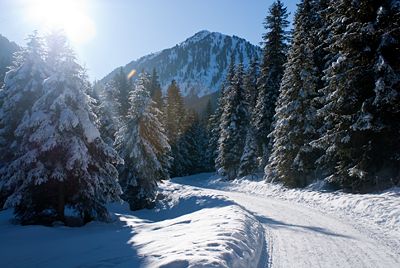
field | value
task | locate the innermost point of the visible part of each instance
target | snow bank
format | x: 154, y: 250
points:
x: 189, y: 228
x: 382, y: 208
x: 209, y: 231
x: 379, y: 209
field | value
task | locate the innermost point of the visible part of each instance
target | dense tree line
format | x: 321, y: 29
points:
x: 162, y: 139
x: 244, y: 118
x: 327, y: 102
x: 157, y: 136
x: 336, y: 116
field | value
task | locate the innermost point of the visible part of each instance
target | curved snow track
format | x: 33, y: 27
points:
x: 299, y: 236
x: 302, y: 237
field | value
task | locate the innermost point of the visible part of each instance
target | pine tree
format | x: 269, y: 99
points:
x: 108, y: 108
x: 208, y: 111
x: 155, y: 90
x: 213, y: 136
x: 196, y: 141
x: 250, y: 84
x: 143, y: 144
x: 123, y: 86
x: 174, y: 112
x: 361, y: 108
x: 62, y: 160
x: 176, y: 125
x: 215, y: 120
x: 210, y: 148
x: 22, y: 87
x: 292, y: 160
x: 248, y: 160
x: 234, y: 121
x: 274, y: 57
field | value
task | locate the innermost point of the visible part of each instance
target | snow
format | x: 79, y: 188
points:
x: 197, y: 37
x: 383, y: 208
x: 208, y: 231
x: 203, y: 221
x: 94, y: 245
x: 379, y: 213
x: 90, y: 131
x: 313, y: 228
x: 188, y: 228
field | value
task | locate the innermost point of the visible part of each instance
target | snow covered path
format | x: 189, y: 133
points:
x: 203, y: 222
x: 300, y: 236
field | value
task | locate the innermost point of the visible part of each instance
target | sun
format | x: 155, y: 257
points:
x: 67, y: 15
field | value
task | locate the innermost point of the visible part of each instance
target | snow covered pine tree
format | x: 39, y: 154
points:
x: 362, y: 104
x: 23, y: 86
x: 249, y: 160
x: 274, y: 57
x: 234, y: 122
x: 196, y: 141
x: 215, y: 119
x: 292, y: 160
x: 176, y: 126
x: 109, y: 120
x: 143, y: 144
x: 62, y: 161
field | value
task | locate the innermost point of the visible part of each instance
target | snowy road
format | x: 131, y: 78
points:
x: 298, y: 236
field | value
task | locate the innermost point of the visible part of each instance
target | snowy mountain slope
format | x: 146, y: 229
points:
x: 189, y: 228
x: 199, y: 64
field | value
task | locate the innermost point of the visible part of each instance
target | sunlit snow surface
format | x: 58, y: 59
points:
x: 189, y: 228
x: 203, y: 221
x: 381, y: 211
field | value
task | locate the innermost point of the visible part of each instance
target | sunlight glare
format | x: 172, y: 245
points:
x: 67, y: 15
x: 131, y: 74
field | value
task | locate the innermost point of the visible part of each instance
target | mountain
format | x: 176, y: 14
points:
x: 7, y: 50
x: 199, y: 64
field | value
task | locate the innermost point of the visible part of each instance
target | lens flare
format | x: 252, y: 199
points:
x: 131, y: 74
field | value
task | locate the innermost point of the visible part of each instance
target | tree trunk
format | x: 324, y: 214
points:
x: 61, y: 202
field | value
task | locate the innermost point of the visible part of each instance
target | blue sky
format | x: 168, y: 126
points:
x: 128, y: 29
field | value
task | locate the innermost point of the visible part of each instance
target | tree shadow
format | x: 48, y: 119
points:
x: 279, y: 224
x: 183, y: 207
x: 204, y: 181
x: 198, y: 180
x: 96, y: 244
